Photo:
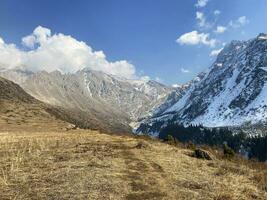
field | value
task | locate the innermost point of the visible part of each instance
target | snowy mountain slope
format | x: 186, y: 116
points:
x: 233, y: 91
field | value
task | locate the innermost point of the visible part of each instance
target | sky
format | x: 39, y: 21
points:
x: 170, y: 41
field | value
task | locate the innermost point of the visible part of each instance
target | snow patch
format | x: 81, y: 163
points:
x: 262, y: 37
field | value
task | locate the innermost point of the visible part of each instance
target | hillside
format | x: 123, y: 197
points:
x: 20, y: 111
x: 89, y: 165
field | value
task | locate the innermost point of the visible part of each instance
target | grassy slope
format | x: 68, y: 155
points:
x: 27, y: 117
x: 38, y: 160
x: 88, y: 165
x: 20, y: 111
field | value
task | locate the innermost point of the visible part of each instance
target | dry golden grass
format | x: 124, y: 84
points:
x: 88, y: 165
x: 27, y: 117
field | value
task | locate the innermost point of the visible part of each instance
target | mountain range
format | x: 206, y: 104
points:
x: 232, y: 92
x: 112, y: 103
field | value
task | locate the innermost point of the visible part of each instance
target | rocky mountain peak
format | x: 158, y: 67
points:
x: 231, y: 93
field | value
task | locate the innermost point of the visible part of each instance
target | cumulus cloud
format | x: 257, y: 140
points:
x: 186, y: 71
x: 10, y: 56
x: 241, y: 21
x: 220, y: 29
x: 59, y: 52
x: 215, y: 52
x: 39, y: 36
x: 28, y: 41
x: 201, y: 3
x: 195, y: 38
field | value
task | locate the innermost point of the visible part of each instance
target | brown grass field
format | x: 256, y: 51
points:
x: 80, y: 164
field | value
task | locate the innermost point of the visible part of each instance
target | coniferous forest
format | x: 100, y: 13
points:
x: 253, y: 147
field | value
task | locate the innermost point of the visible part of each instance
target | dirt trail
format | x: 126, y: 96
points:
x: 89, y: 165
x: 146, y: 178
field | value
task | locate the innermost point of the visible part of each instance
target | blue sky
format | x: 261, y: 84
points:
x: 167, y: 40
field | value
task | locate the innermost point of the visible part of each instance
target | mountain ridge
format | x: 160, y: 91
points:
x: 233, y: 91
x: 107, y: 98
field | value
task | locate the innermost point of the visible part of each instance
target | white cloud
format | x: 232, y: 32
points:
x: 195, y: 38
x: 59, y: 52
x: 215, y: 52
x: 1, y: 41
x: 10, y: 56
x: 200, y: 15
x: 201, y: 19
x: 201, y: 3
x: 241, y: 21
x: 217, y: 12
x: 39, y: 36
x: 220, y: 29
x: 183, y: 70
x: 29, y: 41
x: 202, y: 22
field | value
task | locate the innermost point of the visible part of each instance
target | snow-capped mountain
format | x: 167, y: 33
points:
x: 233, y: 91
x: 107, y: 98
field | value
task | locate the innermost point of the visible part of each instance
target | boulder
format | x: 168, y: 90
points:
x: 202, y: 154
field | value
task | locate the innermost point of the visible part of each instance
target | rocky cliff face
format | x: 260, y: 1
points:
x: 233, y: 92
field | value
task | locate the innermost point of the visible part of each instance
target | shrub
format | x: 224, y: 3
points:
x: 228, y: 152
x: 170, y: 140
x: 191, y: 145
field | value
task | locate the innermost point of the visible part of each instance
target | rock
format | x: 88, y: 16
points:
x: 199, y: 153
x: 141, y: 145
x: 71, y: 127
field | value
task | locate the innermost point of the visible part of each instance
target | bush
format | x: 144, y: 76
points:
x: 228, y: 152
x: 170, y: 140
x: 191, y: 145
